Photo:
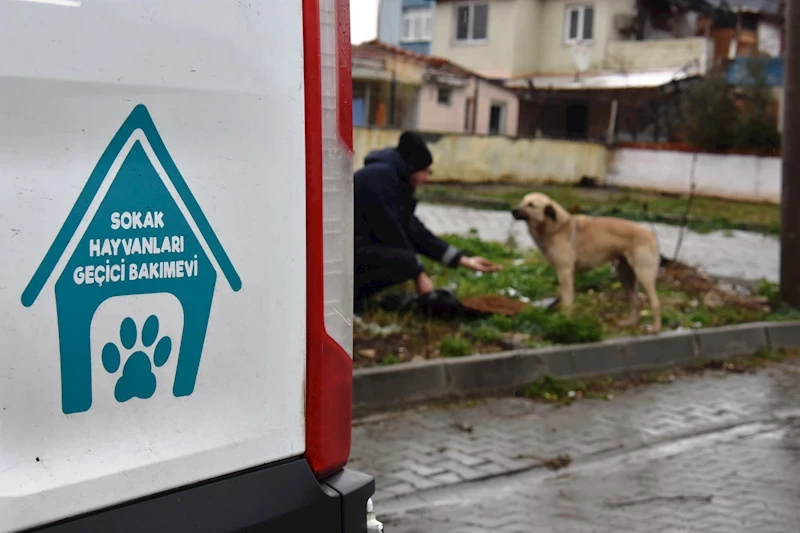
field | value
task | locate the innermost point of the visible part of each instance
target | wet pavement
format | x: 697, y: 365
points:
x: 719, y: 452
x: 736, y: 254
x: 746, y: 479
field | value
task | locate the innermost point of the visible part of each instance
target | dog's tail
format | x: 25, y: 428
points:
x: 665, y: 262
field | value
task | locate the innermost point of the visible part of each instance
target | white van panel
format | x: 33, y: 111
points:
x: 98, y: 99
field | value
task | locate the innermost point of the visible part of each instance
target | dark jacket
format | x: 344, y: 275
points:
x: 384, y: 210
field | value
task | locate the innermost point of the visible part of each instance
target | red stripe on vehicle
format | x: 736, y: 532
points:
x: 328, y: 367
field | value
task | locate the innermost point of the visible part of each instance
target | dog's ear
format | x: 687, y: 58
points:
x: 550, y: 212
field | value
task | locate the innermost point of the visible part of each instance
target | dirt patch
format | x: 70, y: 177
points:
x: 498, y: 305
x: 690, y: 279
x: 687, y: 278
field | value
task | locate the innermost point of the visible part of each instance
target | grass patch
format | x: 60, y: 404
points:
x: 390, y: 359
x: 771, y: 291
x: 600, y: 306
x: 484, y: 332
x: 555, y: 327
x: 564, y: 392
x: 708, y: 214
x: 452, y: 346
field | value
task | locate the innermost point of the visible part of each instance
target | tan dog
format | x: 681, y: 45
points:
x: 573, y: 243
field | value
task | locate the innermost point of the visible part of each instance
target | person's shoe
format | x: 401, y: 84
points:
x: 443, y: 304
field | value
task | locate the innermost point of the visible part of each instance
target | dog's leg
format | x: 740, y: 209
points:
x: 628, y: 279
x: 566, y: 287
x: 647, y: 275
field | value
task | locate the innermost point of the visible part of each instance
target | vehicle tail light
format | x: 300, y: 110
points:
x: 337, y: 174
x: 329, y: 216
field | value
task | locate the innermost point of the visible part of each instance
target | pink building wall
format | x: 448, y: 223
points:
x: 433, y: 116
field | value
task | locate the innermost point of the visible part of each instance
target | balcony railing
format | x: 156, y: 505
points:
x: 630, y: 56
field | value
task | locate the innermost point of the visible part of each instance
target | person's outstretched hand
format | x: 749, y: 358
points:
x: 424, y: 284
x: 479, y: 264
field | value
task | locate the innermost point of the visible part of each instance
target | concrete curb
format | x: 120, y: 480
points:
x: 391, y: 387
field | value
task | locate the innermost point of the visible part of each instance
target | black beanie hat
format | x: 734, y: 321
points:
x: 415, y: 153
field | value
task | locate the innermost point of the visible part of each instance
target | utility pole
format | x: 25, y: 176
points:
x: 790, y: 192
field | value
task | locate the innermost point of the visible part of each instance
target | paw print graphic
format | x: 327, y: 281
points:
x: 137, y: 379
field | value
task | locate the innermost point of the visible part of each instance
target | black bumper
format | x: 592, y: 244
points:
x: 283, y: 498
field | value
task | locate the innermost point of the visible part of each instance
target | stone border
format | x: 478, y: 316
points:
x: 406, y: 384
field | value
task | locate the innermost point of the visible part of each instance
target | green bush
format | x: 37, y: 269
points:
x: 757, y: 127
x: 714, y: 121
x: 711, y: 114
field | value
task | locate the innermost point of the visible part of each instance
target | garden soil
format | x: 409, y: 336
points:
x: 499, y: 305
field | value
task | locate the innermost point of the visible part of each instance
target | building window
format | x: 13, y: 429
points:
x: 468, y: 115
x: 443, y: 95
x: 417, y: 25
x: 472, y: 21
x: 497, y: 118
x: 578, y: 24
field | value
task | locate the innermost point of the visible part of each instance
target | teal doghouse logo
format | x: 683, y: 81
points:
x: 138, y: 241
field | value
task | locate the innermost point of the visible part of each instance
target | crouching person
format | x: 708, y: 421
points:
x: 388, y: 236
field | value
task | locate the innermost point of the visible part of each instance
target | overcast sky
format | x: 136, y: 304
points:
x: 363, y: 20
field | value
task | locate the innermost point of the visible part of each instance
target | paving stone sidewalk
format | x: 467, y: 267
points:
x: 737, y: 254
x: 424, y: 449
x: 740, y: 481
